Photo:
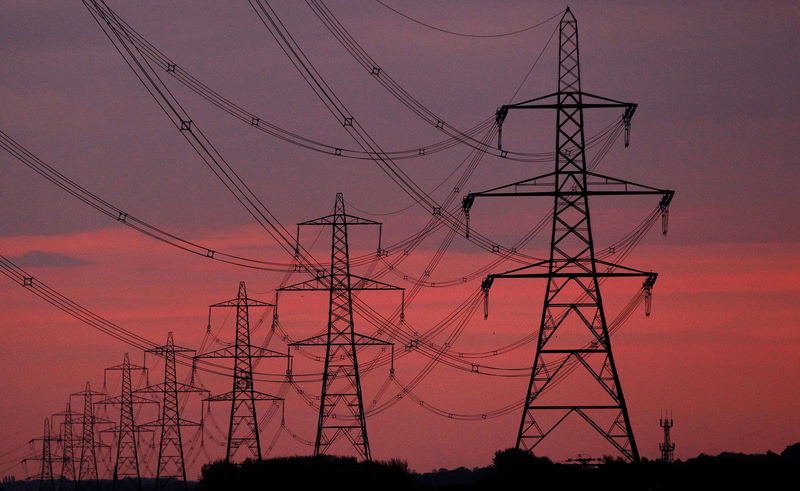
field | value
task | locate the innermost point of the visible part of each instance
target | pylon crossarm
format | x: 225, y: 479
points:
x: 348, y: 219
x: 138, y: 429
x: 612, y: 270
x: 258, y: 352
x: 532, y: 181
x: 157, y: 423
x: 230, y: 396
x: 541, y: 102
x: 96, y: 420
x: 363, y: 340
x: 620, y: 270
x: 89, y: 392
x: 608, y: 99
x: 226, y: 352
x: 178, y: 387
x: 358, y: 340
x: 320, y: 340
x: 164, y: 350
x: 578, y: 192
x: 322, y: 282
x: 230, y: 352
x: 594, y: 180
x: 608, y: 180
x: 507, y: 274
x: 362, y: 283
x: 250, y: 302
x: 119, y: 400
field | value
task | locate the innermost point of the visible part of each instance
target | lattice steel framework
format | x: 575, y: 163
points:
x: 127, y: 459
x: 243, y: 426
x: 341, y: 409
x: 45, y: 475
x: 667, y: 448
x: 573, y: 305
x: 67, y: 448
x: 87, y: 464
x: 171, y: 463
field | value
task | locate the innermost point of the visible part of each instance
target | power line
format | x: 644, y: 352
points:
x: 467, y: 34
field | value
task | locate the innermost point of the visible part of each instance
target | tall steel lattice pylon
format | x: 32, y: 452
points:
x: 87, y: 463
x: 45, y: 475
x: 667, y: 448
x: 243, y: 425
x: 341, y: 408
x: 68, y: 473
x: 573, y: 339
x: 126, y: 464
x: 171, y: 463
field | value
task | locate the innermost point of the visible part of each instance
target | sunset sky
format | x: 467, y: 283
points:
x: 717, y: 88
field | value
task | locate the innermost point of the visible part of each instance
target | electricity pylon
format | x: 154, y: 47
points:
x: 87, y: 464
x: 573, y: 306
x: 667, y: 447
x: 46, y: 478
x: 243, y: 425
x: 127, y: 461
x: 67, y: 448
x: 170, y: 449
x: 341, y: 409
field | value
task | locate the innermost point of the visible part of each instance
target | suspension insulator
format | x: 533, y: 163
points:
x: 627, y: 134
x: 485, y: 286
x: 499, y: 117
x: 466, y: 205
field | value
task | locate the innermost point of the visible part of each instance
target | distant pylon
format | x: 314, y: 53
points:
x: 243, y: 425
x: 573, y: 332
x: 341, y: 408
x: 87, y: 464
x: 127, y: 461
x: 667, y: 447
x: 45, y: 475
x: 67, y: 448
x: 170, y: 449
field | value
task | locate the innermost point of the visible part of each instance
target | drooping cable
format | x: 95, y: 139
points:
x: 467, y: 34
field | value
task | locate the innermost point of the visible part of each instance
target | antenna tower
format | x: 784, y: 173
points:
x: 341, y: 409
x: 170, y: 449
x: 243, y: 426
x: 127, y: 461
x: 667, y: 447
x: 573, y: 306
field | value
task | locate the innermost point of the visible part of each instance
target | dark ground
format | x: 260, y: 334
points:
x: 511, y: 469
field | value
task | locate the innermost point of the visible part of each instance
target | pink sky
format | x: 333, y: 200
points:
x: 715, y: 122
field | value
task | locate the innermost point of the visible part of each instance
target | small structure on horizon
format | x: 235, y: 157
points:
x: 667, y: 447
